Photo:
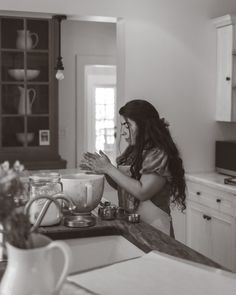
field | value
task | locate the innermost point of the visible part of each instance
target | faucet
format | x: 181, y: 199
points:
x: 43, y: 211
x: 70, y: 205
x: 60, y: 196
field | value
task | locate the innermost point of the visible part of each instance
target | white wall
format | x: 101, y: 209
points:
x: 81, y: 43
x: 170, y: 59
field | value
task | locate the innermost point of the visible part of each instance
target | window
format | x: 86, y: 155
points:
x: 100, y: 109
x: 105, y: 120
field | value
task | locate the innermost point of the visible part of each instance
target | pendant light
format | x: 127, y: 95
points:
x: 59, y: 66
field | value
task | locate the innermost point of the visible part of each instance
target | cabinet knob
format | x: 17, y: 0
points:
x: 206, y: 217
x: 227, y: 78
x: 198, y: 193
x: 218, y: 200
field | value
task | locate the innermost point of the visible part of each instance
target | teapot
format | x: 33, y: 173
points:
x: 25, y: 40
x: 21, y: 107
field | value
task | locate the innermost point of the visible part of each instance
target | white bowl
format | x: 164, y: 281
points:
x: 21, y: 137
x: 19, y: 74
x: 85, y: 190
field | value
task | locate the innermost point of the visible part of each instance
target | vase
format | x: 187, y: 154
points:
x: 26, y: 101
x: 35, y: 271
x: 25, y: 40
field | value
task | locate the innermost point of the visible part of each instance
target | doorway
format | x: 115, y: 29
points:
x: 100, y: 106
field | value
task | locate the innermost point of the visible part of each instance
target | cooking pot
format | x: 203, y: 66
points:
x: 85, y: 190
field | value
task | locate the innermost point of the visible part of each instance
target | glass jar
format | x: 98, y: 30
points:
x: 41, y: 185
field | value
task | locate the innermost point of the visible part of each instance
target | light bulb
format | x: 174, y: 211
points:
x: 59, y: 75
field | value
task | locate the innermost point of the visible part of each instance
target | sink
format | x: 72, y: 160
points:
x: 94, y: 252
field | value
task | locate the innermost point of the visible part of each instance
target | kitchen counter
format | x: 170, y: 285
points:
x: 213, y: 180
x: 142, y: 235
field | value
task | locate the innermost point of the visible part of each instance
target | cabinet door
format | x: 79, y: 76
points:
x: 224, y: 73
x: 222, y: 239
x: 28, y: 93
x: 198, y: 228
x: 212, y: 234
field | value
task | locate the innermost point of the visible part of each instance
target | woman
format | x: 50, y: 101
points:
x: 150, y: 173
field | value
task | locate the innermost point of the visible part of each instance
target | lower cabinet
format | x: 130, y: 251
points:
x: 198, y: 229
x: 212, y: 233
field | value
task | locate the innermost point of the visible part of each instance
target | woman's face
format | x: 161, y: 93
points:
x: 129, y: 130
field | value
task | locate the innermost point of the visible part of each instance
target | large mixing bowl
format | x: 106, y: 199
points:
x: 85, y: 190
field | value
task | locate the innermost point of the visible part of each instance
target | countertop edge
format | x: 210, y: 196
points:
x: 213, y: 180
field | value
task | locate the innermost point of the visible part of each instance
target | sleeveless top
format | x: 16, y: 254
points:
x: 155, y: 160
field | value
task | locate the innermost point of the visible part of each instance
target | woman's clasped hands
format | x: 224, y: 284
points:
x: 95, y: 162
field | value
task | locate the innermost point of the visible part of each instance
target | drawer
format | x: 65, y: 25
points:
x: 218, y: 200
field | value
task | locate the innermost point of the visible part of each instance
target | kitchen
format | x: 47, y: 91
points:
x: 167, y: 54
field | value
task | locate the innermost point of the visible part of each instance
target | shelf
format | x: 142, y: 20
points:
x: 22, y: 82
x: 22, y: 51
x: 21, y: 116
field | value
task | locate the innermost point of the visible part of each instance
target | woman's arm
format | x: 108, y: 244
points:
x: 84, y: 165
x: 143, y: 189
x: 111, y: 182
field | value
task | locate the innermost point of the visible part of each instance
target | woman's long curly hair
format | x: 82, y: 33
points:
x: 153, y: 132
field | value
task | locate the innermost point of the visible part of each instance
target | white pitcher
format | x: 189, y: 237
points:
x: 33, y: 271
x: 25, y: 40
x: 29, y: 101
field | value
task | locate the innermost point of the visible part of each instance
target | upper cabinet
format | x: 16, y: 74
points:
x: 28, y: 93
x: 226, y: 68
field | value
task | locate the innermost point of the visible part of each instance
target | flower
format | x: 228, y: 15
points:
x: 15, y: 224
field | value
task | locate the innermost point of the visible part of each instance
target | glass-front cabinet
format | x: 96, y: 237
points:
x: 28, y: 93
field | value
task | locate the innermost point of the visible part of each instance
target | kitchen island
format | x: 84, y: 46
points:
x: 142, y: 235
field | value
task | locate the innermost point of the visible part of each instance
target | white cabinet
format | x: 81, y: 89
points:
x: 212, y: 234
x: 211, y: 223
x: 226, y: 68
x: 197, y: 229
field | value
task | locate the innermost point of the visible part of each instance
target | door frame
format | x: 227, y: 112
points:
x: 84, y: 60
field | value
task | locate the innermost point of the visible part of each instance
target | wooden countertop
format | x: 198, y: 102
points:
x: 142, y: 235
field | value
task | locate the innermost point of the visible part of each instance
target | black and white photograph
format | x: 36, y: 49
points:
x: 118, y: 147
x: 44, y: 137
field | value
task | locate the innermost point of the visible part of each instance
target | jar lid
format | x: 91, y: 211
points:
x: 45, y: 177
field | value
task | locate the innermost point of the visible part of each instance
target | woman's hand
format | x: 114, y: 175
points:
x: 97, y: 162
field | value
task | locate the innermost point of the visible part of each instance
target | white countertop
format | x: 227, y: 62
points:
x: 156, y: 273
x: 213, y: 180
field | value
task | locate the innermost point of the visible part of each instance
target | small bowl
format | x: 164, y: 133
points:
x: 133, y: 217
x: 19, y: 74
x: 21, y: 137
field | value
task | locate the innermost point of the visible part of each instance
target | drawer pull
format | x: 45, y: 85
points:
x: 206, y: 217
x: 198, y: 193
x: 218, y: 200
